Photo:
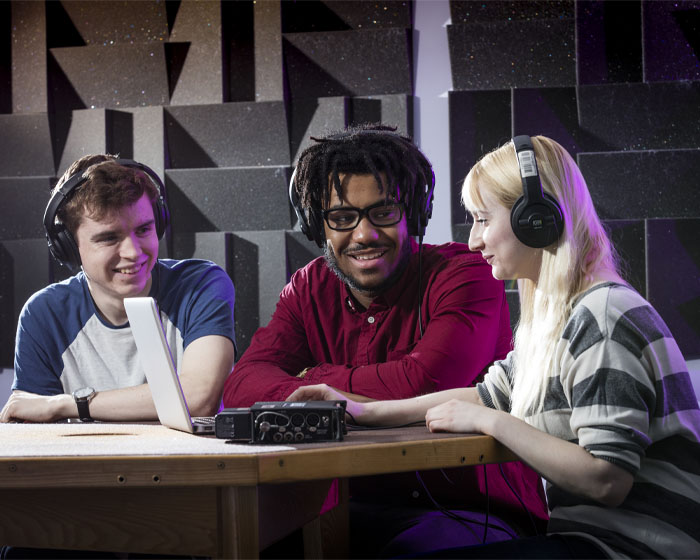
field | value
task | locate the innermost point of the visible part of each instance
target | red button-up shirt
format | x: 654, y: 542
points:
x: 379, y: 352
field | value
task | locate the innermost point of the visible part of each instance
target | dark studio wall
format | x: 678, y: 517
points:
x: 220, y: 97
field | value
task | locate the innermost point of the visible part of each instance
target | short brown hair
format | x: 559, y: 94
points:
x: 108, y: 187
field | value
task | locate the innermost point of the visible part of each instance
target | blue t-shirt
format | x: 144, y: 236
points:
x: 64, y: 344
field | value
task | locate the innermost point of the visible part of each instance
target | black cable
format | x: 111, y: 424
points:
x: 420, y: 284
x: 463, y: 520
x: 486, y: 487
x: 522, y: 504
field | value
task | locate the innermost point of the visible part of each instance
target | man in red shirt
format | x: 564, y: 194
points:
x: 382, y: 316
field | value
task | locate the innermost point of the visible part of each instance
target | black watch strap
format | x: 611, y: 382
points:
x: 82, y: 400
x: 84, y: 410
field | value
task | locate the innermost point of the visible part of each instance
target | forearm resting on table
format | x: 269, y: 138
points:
x: 407, y: 411
x: 565, y: 464
x: 206, y: 363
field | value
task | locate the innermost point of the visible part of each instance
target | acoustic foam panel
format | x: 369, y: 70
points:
x: 148, y: 137
x: 238, y: 50
x: 7, y: 316
x: 513, y: 299
x: 499, y: 55
x: 24, y: 200
x: 340, y: 15
x: 25, y: 270
x: 212, y: 246
x: 466, y: 11
x: 241, y: 199
x: 608, y: 41
x: 5, y: 58
x: 671, y: 32
x: 25, y: 145
x: 628, y: 238
x: 115, y: 76
x: 554, y: 112
x: 319, y: 116
x: 316, y: 117
x: 673, y: 269
x: 110, y: 23
x: 348, y: 63
x: 460, y: 233
x: 649, y: 184
x: 91, y: 131
x: 227, y: 135
x: 655, y: 122
x: 480, y: 121
x: 395, y: 110
x: 300, y: 251
x: 198, y: 78
x: 259, y: 274
x: 29, y: 82
x: 269, y: 75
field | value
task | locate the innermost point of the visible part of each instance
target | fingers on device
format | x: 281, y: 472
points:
x: 283, y: 422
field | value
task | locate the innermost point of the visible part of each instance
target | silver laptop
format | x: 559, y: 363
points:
x: 157, y: 362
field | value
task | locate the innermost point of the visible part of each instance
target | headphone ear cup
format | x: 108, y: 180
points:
x: 537, y: 224
x: 65, y: 249
x: 311, y: 223
x: 421, y: 210
x: 161, y: 215
x: 316, y: 230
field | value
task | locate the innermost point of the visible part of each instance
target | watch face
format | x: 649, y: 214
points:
x: 83, y: 393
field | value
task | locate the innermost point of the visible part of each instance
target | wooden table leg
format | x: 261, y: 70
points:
x: 238, y: 517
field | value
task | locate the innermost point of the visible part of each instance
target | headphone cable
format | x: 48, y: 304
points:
x: 420, y: 284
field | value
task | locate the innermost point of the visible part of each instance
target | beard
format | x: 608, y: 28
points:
x: 356, y: 284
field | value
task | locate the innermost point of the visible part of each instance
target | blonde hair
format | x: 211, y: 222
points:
x: 568, y: 266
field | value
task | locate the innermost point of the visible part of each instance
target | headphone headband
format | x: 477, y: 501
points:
x: 61, y: 242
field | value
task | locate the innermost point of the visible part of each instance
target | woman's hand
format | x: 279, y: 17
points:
x: 457, y: 416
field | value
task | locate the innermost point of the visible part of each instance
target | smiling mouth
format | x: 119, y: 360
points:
x: 131, y: 270
x: 369, y: 256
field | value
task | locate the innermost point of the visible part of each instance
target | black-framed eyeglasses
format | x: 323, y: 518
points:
x: 381, y: 214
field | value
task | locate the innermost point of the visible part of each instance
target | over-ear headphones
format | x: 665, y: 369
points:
x: 421, y: 208
x: 62, y: 243
x: 311, y: 219
x: 536, y: 217
x: 417, y: 214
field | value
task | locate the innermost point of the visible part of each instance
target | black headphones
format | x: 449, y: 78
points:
x: 62, y: 244
x: 311, y: 220
x: 536, y: 217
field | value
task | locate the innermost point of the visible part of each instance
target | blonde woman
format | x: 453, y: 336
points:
x: 595, y: 395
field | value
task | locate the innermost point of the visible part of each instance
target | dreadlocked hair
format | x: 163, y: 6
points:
x: 362, y: 149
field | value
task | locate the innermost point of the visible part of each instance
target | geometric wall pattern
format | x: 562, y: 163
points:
x: 220, y: 98
x: 618, y: 85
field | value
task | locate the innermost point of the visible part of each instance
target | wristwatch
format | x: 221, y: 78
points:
x: 82, y: 399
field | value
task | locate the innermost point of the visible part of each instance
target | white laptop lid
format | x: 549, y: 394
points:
x: 157, y: 363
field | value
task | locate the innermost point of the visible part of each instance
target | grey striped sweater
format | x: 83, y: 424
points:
x: 621, y: 390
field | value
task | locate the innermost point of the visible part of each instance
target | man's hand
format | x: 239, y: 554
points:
x: 354, y: 407
x: 318, y: 393
x: 29, y: 407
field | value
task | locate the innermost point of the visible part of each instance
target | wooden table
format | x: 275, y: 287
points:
x: 227, y: 505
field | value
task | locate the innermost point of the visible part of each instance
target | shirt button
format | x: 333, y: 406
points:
x: 370, y: 320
